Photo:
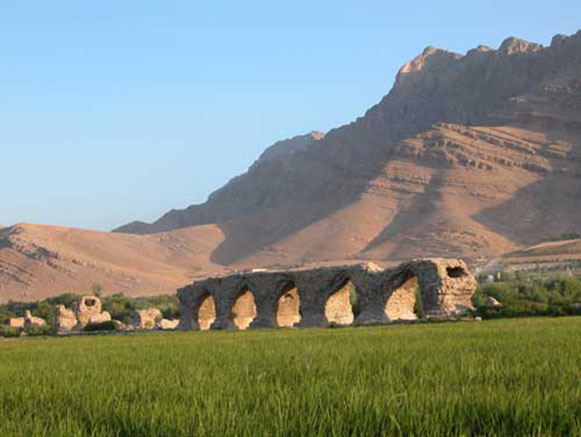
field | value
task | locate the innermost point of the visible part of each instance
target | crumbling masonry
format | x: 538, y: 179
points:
x: 353, y: 294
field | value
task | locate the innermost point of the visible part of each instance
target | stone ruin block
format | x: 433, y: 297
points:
x: 65, y: 319
x: 147, y: 319
x: 167, y: 325
x: 105, y: 316
x: 30, y: 320
x: 16, y: 322
x: 27, y: 320
x: 86, y: 308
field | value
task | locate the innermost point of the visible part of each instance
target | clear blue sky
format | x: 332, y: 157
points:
x: 112, y: 111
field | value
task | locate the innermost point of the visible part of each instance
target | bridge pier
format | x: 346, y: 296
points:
x: 266, y: 301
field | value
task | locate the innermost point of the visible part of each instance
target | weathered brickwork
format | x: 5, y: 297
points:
x: 425, y: 288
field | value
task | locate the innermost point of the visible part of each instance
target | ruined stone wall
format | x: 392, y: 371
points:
x: 65, y: 319
x: 86, y: 307
x: 147, y: 318
x: 27, y: 320
x: 263, y: 299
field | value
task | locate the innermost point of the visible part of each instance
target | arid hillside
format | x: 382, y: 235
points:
x: 561, y: 256
x: 42, y: 261
x: 468, y: 155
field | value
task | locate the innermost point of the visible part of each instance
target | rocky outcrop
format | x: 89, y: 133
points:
x: 327, y: 295
x: 512, y: 45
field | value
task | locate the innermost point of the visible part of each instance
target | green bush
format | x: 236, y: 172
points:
x: 35, y: 331
x: 103, y: 326
x: 120, y: 307
x: 5, y: 315
x: 519, y: 297
x: 9, y: 331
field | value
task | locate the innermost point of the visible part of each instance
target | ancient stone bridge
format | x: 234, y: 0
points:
x: 360, y: 294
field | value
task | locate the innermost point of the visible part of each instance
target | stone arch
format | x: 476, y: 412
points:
x: 206, y: 313
x: 243, y: 312
x: 341, y: 303
x: 288, y: 306
x: 404, y: 302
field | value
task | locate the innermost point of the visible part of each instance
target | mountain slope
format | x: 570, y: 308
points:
x: 40, y: 261
x: 340, y: 196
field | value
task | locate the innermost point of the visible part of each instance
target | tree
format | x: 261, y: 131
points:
x: 97, y: 289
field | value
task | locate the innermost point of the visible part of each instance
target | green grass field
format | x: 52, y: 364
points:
x: 502, y: 377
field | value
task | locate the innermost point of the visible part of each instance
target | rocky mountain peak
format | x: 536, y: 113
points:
x: 317, y: 135
x: 430, y: 57
x: 514, y: 45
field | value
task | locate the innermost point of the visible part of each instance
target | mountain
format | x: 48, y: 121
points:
x: 467, y: 156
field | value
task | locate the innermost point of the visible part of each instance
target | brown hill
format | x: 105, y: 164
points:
x: 41, y: 261
x: 467, y: 156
